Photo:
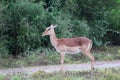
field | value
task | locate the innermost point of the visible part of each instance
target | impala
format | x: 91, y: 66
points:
x: 69, y: 45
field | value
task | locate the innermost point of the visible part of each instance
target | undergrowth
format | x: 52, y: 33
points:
x: 101, y: 74
x: 51, y: 57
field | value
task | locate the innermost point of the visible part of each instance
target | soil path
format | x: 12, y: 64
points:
x: 67, y: 67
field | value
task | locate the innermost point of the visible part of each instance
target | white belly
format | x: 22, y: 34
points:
x: 69, y: 50
x: 72, y: 50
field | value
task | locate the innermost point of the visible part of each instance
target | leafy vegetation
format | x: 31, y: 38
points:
x: 23, y: 21
x: 51, y: 57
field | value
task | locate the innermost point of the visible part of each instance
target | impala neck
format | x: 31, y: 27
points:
x: 53, y: 39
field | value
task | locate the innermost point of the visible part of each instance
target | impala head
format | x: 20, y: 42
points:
x: 49, y: 30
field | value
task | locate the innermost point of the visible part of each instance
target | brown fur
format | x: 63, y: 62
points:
x: 71, y: 42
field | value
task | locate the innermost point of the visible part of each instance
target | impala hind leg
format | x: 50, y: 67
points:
x: 62, y: 60
x: 88, y: 54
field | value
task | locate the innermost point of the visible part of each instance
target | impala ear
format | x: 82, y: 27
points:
x: 53, y: 26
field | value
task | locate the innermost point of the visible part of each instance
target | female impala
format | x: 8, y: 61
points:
x: 70, y: 45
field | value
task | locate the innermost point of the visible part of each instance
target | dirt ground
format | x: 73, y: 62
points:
x: 67, y: 67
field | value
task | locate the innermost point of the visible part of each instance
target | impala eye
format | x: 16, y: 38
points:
x: 48, y: 28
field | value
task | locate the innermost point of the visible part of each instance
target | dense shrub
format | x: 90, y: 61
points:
x: 23, y: 21
x: 114, y: 26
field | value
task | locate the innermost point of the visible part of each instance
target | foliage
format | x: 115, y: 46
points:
x: 114, y: 25
x: 23, y: 25
x: 51, y: 57
x: 3, y: 48
x: 23, y: 21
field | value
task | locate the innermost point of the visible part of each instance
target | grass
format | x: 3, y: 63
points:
x: 103, y: 74
x: 49, y: 56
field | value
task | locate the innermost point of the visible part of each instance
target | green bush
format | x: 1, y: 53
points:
x: 23, y: 21
x: 114, y: 26
x: 3, y: 48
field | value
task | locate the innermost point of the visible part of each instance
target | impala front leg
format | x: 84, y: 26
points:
x: 62, y: 60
